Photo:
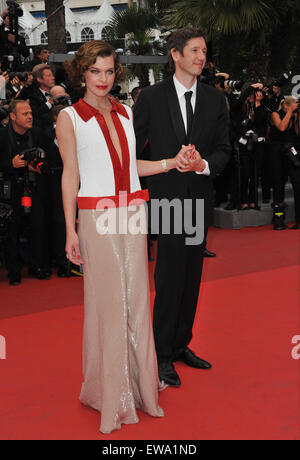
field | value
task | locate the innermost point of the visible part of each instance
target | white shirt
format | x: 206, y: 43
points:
x: 48, y: 104
x: 181, y: 90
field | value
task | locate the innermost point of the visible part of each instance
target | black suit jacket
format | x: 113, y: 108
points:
x: 7, y: 153
x: 42, y: 115
x: 4, y: 43
x: 158, y: 119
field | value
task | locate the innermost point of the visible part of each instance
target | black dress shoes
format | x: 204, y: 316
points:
x: 39, y: 273
x: 168, y: 374
x: 63, y: 271
x: 207, y: 253
x: 14, y: 279
x: 295, y: 227
x: 190, y: 359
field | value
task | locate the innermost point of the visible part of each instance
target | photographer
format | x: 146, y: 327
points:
x: 16, y: 138
x: 10, y: 42
x: 284, y: 129
x: 250, y: 125
x: 40, y: 98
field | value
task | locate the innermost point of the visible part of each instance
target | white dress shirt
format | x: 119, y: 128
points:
x: 181, y: 90
x: 48, y: 104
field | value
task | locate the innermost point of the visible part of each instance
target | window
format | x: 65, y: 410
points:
x: 68, y: 36
x: 44, y: 38
x: 87, y: 34
x: 104, y: 34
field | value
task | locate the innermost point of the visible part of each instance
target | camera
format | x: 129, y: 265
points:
x: 22, y: 76
x: 298, y: 108
x: 36, y: 159
x: 235, y: 85
x: 293, y: 154
x: 14, y: 9
x: 115, y: 91
x: 62, y: 100
x: 31, y: 154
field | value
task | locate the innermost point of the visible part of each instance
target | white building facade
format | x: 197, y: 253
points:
x: 85, y: 19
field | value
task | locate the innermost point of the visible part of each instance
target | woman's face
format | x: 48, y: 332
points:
x: 259, y: 96
x: 100, y: 76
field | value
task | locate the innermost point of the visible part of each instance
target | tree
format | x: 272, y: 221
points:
x: 258, y: 36
x: 55, y: 12
x: 136, y: 26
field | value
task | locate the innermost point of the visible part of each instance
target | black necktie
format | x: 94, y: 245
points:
x: 189, y: 113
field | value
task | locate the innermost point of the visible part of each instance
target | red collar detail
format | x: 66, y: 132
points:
x: 86, y: 111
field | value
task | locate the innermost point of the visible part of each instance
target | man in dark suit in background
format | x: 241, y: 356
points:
x: 181, y: 111
x: 41, y: 55
x: 40, y: 98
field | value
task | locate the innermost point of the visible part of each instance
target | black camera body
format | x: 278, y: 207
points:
x: 62, y: 100
x: 32, y: 154
x: 115, y: 91
x: 292, y: 153
x: 14, y: 9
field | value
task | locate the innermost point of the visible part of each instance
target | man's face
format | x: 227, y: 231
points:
x: 22, y: 119
x: 48, y: 80
x: 276, y: 90
x: 192, y: 62
x: 44, y: 55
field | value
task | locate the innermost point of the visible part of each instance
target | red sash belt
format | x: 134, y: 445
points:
x: 121, y: 200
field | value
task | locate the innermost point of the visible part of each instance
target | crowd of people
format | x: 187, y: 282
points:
x: 264, y: 135
x: 69, y: 151
x: 264, y: 130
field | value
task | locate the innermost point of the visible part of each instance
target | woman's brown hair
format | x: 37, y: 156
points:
x: 86, y: 56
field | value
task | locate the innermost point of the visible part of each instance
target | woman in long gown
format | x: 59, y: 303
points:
x: 97, y: 145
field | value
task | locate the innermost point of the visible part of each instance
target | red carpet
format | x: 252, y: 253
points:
x: 248, y: 316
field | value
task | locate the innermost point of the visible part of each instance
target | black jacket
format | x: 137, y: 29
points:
x: 42, y: 115
x: 9, y: 151
x: 158, y: 119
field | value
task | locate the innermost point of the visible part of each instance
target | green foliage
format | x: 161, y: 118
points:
x: 135, y: 26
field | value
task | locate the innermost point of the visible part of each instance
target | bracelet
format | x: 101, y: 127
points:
x: 164, y: 165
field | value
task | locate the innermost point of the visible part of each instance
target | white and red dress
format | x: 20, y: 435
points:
x: 119, y: 359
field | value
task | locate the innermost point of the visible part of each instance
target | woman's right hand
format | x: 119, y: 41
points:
x: 73, y: 249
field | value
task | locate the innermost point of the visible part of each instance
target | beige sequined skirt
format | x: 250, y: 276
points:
x: 119, y: 359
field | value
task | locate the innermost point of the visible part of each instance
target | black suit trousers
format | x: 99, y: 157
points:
x: 177, y: 282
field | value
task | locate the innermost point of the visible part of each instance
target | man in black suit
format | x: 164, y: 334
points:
x: 181, y: 111
x: 14, y: 139
x: 41, y: 56
x: 8, y: 40
x: 40, y: 98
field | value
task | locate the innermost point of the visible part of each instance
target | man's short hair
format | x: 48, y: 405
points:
x: 179, y: 39
x: 39, y: 49
x: 12, y: 108
x: 38, y: 70
x: 135, y: 91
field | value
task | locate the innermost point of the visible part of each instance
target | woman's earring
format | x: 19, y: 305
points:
x: 83, y: 84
